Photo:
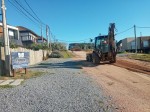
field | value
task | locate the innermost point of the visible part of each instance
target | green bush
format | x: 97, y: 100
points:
x: 37, y: 47
x: 56, y: 54
x: 13, y: 45
x: 58, y: 46
x: 1, y: 44
x: 61, y: 54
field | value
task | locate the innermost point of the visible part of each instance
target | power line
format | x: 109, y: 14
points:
x: 27, y: 11
x: 33, y: 11
x: 142, y: 27
x: 74, y: 41
x: 22, y: 12
x: 124, y: 31
x: 19, y: 9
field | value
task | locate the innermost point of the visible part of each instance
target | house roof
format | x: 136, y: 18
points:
x: 9, y: 26
x: 24, y: 29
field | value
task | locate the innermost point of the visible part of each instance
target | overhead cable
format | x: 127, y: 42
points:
x: 74, y: 41
x: 124, y: 31
x: 19, y: 10
x: 142, y: 27
x: 26, y: 11
x: 33, y: 12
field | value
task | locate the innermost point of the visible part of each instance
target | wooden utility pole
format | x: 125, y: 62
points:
x: 135, y: 39
x: 50, y: 35
x: 6, y: 42
x: 47, y: 35
x: 41, y: 33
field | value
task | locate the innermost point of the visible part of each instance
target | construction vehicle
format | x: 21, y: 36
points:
x: 104, y: 47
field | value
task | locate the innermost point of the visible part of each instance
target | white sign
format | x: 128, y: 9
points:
x: 21, y: 55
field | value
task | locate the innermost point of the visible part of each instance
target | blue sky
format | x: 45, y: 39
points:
x: 74, y: 20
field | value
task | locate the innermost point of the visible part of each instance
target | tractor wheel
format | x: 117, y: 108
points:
x: 95, y: 59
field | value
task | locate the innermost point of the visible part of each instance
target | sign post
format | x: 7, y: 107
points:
x: 19, y: 60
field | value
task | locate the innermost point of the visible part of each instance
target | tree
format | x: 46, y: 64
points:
x: 58, y: 46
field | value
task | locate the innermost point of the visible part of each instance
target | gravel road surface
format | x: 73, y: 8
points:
x: 63, y: 88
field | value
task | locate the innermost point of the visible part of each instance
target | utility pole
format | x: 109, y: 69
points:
x: 50, y: 34
x: 6, y: 42
x: 47, y: 35
x: 135, y: 39
x: 41, y: 33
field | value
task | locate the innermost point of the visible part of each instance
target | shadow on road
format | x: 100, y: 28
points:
x: 74, y: 64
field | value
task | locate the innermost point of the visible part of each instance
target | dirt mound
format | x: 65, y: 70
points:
x: 133, y: 65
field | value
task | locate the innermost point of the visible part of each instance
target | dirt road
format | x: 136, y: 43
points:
x: 129, y: 91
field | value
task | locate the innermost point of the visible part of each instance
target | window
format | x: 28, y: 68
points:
x: 132, y: 45
x: 145, y: 43
x: 24, y: 37
x: 11, y: 34
x: 97, y: 44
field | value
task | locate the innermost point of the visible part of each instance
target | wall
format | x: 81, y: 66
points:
x: 126, y: 43
x: 35, y: 56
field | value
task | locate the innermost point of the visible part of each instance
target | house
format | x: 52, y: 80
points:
x: 145, y: 43
x: 27, y: 36
x: 128, y: 44
x: 13, y: 33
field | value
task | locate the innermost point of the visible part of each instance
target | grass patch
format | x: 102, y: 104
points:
x: 61, y: 54
x: 6, y: 86
x: 142, y: 57
x: 124, y: 52
x: 30, y: 74
x: 66, y: 54
x: 21, y: 75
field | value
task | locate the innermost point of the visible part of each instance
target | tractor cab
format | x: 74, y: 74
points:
x: 101, y: 44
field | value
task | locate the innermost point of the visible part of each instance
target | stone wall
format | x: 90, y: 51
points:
x: 35, y: 56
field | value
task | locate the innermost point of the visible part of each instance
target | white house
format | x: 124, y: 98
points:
x: 13, y: 34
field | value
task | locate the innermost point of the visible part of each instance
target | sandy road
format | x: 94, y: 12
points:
x: 129, y: 91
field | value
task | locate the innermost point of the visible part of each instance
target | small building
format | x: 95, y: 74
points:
x: 13, y: 33
x: 145, y: 44
x: 27, y: 36
x: 128, y: 44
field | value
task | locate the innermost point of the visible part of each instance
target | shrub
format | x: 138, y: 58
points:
x: 58, y: 46
x: 37, y: 47
x: 13, y: 45
x: 1, y: 44
x: 61, y: 54
x: 56, y: 54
